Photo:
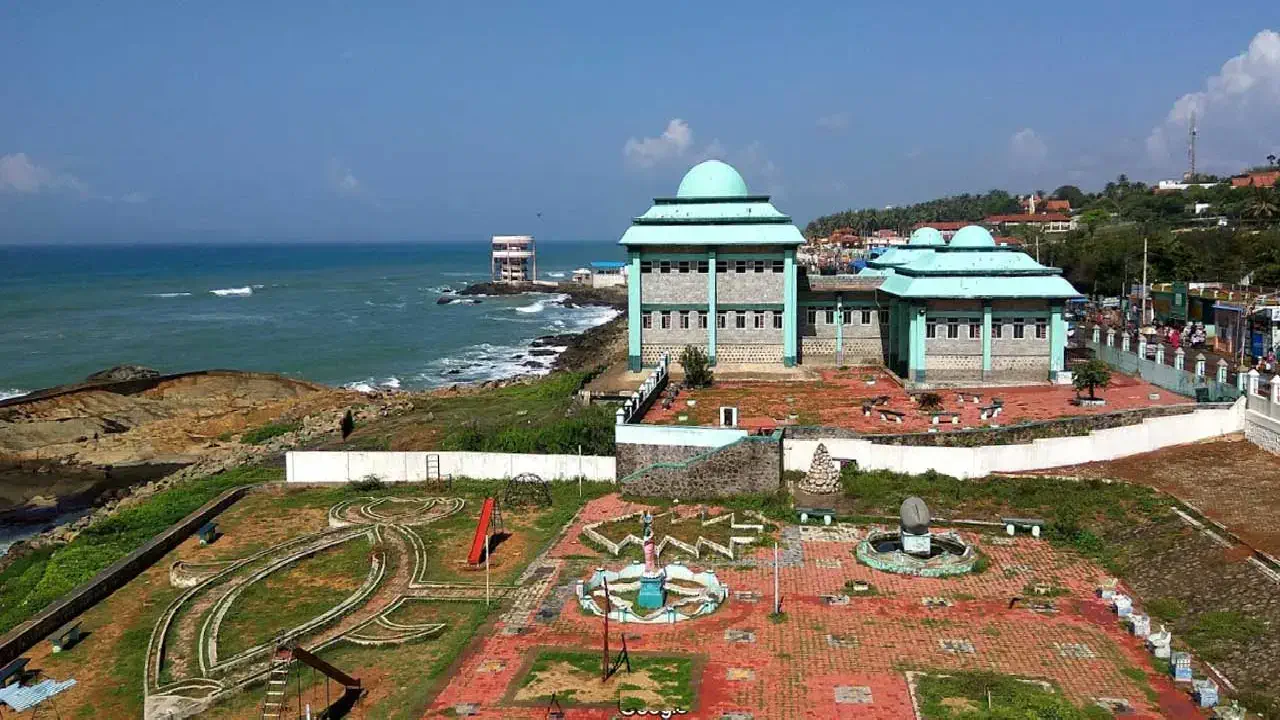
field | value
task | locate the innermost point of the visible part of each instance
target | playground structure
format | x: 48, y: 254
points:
x: 275, y: 701
x: 490, y: 520
x: 178, y: 685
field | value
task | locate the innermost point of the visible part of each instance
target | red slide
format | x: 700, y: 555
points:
x: 482, y: 532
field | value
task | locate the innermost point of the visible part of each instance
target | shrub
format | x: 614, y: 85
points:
x: 697, y: 367
x: 368, y: 483
x: 1090, y: 375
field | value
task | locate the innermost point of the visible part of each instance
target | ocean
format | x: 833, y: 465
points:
x: 353, y: 314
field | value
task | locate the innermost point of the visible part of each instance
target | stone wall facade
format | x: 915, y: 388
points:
x: 631, y: 457
x: 1262, y: 431
x: 751, y: 465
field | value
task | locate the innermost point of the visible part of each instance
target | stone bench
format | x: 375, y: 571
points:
x: 66, y: 636
x: 14, y: 672
x: 1013, y: 524
x: 891, y: 415
x: 935, y: 417
x: 207, y: 533
x: 990, y: 411
x: 974, y: 397
x: 827, y: 514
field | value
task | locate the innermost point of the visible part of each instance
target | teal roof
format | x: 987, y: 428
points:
x: 970, y: 266
x: 766, y: 234
x: 712, y: 207
x: 712, y: 179
x: 926, y: 236
x: 971, y: 236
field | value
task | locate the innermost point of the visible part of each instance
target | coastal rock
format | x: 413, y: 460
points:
x: 122, y: 372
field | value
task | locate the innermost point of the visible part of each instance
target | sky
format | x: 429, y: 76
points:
x: 330, y: 120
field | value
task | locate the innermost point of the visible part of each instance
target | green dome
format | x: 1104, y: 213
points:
x: 973, y: 236
x: 712, y: 179
x: 926, y: 236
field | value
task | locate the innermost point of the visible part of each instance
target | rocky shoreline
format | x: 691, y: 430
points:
x: 579, y: 295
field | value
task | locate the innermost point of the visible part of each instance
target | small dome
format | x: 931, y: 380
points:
x: 926, y: 236
x: 712, y: 179
x: 973, y: 236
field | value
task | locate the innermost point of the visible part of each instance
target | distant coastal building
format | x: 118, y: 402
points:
x: 716, y: 267
x: 513, y: 259
x: 1256, y: 178
x: 602, y: 274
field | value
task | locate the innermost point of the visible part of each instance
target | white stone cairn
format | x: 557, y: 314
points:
x: 823, y: 477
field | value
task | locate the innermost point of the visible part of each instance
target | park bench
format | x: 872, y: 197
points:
x: 975, y: 397
x: 1013, y: 524
x: 207, y: 533
x: 990, y: 411
x: 936, y: 417
x: 14, y: 672
x: 827, y: 514
x: 66, y: 636
x: 891, y: 415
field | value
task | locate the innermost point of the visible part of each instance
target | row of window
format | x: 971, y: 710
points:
x: 691, y: 318
x: 811, y: 316
x: 740, y: 267
x: 952, y: 328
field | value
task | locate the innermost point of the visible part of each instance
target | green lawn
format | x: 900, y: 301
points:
x: 960, y: 695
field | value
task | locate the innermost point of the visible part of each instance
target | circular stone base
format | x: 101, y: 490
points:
x: 942, y: 564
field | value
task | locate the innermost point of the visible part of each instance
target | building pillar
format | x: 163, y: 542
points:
x: 789, y: 326
x: 905, y: 338
x: 1160, y: 353
x: 1058, y: 339
x: 917, y: 343
x: 1124, y: 341
x: 1200, y: 366
x: 986, y: 338
x: 633, y: 311
x: 1142, y: 346
x: 891, y: 359
x: 1221, y: 375
x: 839, y: 329
x: 711, y: 306
x: 1179, y: 359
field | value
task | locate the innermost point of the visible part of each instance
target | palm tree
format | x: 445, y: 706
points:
x: 1262, y: 204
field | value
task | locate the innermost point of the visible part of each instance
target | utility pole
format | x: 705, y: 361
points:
x: 777, y: 599
x: 1143, y: 320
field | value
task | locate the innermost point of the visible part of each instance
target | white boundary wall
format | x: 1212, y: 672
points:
x: 976, y: 462
x: 681, y: 435
x: 340, y: 467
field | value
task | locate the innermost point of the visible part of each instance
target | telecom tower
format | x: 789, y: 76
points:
x: 1191, y: 147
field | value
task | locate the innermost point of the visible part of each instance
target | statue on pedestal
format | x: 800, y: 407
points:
x: 652, y: 591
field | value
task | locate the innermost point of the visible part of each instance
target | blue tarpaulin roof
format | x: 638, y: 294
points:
x: 607, y: 264
x: 21, y: 698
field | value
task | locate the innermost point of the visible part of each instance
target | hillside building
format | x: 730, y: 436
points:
x: 715, y: 266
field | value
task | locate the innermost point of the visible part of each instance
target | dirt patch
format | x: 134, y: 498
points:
x: 962, y: 704
x: 572, y: 684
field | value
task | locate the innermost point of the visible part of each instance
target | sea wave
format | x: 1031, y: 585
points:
x: 555, y: 274
x: 10, y: 393
x: 169, y: 294
x: 540, y: 305
x: 235, y: 292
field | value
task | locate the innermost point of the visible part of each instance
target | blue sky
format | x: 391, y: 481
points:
x: 346, y: 120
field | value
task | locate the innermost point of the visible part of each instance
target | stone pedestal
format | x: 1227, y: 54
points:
x: 652, y: 593
x: 916, y: 544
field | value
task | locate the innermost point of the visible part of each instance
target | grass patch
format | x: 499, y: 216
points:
x: 259, y: 435
x: 34, y: 582
x: 1167, y: 609
x: 991, y: 696
x: 1214, y: 634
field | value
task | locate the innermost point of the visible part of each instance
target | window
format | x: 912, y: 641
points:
x: 757, y: 265
x: 884, y: 317
x: 866, y: 317
x: 975, y: 329
x: 1019, y: 328
x: 722, y: 320
x: 1042, y: 328
x: 953, y: 328
x: 931, y: 328
x: 646, y: 266
x: 702, y: 267
x: 664, y: 266
x: 759, y: 320
x: 740, y: 320
x: 997, y: 330
x: 831, y: 317
x: 848, y: 317
x: 646, y: 319
x: 722, y: 266
x: 777, y: 266
x: 811, y: 317
x: 740, y: 266
x: 684, y: 266
x: 665, y: 319
x: 702, y: 319
x: 684, y: 320
x: 777, y: 319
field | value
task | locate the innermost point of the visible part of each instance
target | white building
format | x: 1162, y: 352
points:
x: 513, y: 259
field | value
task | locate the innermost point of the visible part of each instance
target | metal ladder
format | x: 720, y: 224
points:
x: 274, y: 701
x: 433, y: 467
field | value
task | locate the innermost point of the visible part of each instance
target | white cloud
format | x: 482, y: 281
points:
x: 1026, y: 149
x: 19, y: 174
x: 834, y: 122
x: 1238, y: 110
x: 652, y: 151
x: 342, y: 180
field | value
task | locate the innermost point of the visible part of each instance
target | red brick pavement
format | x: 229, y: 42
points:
x: 795, y: 668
